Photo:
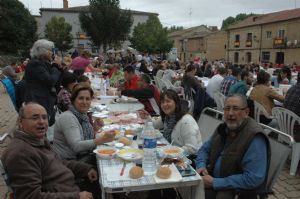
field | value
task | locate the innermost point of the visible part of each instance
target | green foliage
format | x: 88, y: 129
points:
x: 151, y: 37
x: 106, y: 23
x: 17, y: 28
x: 59, y: 31
x: 174, y: 28
x: 232, y: 20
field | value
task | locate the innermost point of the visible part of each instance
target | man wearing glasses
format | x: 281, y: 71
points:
x: 235, y: 160
x: 34, y: 171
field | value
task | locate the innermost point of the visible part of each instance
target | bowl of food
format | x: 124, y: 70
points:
x: 106, y: 152
x: 172, y: 152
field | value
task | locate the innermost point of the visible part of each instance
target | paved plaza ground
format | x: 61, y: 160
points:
x: 287, y: 187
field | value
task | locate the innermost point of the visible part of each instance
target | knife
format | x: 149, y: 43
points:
x: 123, y: 169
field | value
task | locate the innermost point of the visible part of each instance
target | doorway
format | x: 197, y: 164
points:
x: 279, y: 57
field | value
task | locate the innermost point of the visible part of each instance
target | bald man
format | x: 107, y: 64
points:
x: 34, y: 170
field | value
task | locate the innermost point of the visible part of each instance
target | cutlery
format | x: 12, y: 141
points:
x: 123, y: 169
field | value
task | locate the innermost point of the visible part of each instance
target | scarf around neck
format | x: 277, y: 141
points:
x: 170, y: 122
x: 84, y: 121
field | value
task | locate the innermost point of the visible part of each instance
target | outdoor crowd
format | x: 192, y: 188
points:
x: 235, y: 159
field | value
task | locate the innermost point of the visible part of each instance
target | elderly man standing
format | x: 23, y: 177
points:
x: 235, y: 159
x: 34, y: 170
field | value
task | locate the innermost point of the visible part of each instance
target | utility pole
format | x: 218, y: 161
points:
x: 190, y: 18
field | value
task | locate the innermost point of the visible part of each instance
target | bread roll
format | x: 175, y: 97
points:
x: 163, y: 172
x: 136, y: 172
x: 128, y: 132
x: 125, y: 141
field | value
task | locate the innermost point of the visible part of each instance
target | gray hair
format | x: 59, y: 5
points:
x: 40, y: 48
x: 242, y: 98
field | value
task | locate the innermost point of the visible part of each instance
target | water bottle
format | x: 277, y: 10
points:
x: 102, y: 87
x: 149, y: 160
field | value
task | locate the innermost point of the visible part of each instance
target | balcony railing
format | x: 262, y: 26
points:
x: 279, y: 42
x: 236, y: 44
x: 248, y: 43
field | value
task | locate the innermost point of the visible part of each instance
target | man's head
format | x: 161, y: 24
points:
x: 33, y: 120
x: 128, y: 73
x: 236, y: 72
x: 144, y: 80
x: 235, y: 111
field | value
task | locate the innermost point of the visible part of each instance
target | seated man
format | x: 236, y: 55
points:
x: 147, y: 94
x: 33, y: 169
x: 131, y: 79
x: 235, y: 159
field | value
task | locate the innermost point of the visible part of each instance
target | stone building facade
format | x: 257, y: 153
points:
x: 273, y: 37
x: 80, y: 39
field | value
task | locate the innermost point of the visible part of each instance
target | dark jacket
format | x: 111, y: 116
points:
x: 34, y: 171
x: 234, y: 146
x: 41, y: 78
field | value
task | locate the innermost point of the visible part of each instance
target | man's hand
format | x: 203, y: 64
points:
x: 208, y: 181
x: 202, y: 171
x: 85, y: 195
x: 92, y: 175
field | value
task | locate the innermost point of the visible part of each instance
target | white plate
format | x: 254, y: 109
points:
x: 168, y: 151
x: 105, y: 156
x: 107, y: 97
x: 130, y: 154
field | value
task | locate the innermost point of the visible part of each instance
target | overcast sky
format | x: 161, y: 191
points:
x: 186, y: 13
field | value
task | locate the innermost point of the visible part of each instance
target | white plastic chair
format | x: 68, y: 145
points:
x: 286, y: 120
x: 160, y: 84
x: 208, y: 122
x: 279, y: 154
x: 219, y: 99
x: 169, y: 85
x: 260, y: 110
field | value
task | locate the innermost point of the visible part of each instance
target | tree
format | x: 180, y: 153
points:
x: 106, y: 23
x: 174, y: 28
x: 232, y: 20
x: 17, y: 28
x: 59, y: 31
x: 151, y: 37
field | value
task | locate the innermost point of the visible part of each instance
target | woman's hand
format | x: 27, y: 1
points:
x: 144, y: 114
x: 98, y: 123
x: 107, y: 136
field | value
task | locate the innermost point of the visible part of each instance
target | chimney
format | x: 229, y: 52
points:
x: 66, y: 4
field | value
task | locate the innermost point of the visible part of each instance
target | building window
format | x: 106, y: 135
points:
x: 237, y: 37
x: 249, y: 36
x: 236, y: 57
x: 269, y: 34
x: 265, y: 56
x: 281, y: 33
x: 248, y: 57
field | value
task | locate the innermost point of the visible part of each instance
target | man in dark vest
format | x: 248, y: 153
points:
x: 235, y: 160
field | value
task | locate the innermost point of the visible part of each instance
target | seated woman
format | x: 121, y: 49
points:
x: 64, y: 95
x: 178, y: 127
x: 264, y: 94
x: 74, y: 134
x: 283, y: 77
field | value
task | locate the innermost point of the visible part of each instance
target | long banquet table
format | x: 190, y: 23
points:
x: 190, y: 187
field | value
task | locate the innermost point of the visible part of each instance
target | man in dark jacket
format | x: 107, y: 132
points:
x: 34, y: 171
x: 236, y: 157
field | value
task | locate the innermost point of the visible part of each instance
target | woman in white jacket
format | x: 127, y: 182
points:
x: 178, y: 126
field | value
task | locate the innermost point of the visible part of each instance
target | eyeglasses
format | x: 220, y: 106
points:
x: 37, y: 117
x: 234, y: 108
